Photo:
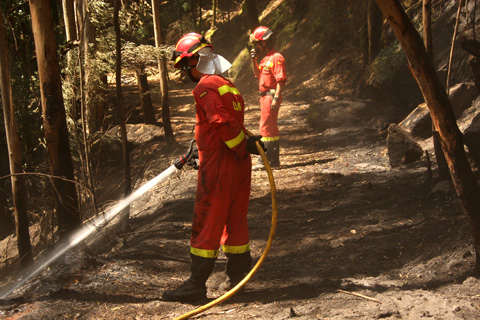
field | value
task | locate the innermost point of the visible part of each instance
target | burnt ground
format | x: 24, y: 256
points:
x: 348, y: 224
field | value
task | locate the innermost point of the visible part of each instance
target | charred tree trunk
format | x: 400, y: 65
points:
x: 54, y: 120
x: 162, y: 68
x: 19, y: 193
x: 375, y: 21
x: 145, y: 98
x: 442, y: 115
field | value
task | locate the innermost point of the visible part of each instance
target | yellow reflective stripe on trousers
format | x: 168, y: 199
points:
x: 236, y: 249
x: 270, y: 138
x: 235, y: 141
x: 204, y: 253
x: 226, y: 88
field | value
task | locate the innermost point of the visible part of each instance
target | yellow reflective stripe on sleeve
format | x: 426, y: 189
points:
x: 204, y: 253
x: 236, y: 249
x: 226, y: 88
x: 270, y: 138
x: 235, y: 141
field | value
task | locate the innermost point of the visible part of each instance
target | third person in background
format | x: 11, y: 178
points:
x: 272, y: 76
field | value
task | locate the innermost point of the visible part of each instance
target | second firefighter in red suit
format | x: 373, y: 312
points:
x: 271, y: 76
x: 224, y: 174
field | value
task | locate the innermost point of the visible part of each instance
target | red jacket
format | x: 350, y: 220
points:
x: 272, y: 70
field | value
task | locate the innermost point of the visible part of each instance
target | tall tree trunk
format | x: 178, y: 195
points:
x: 54, y: 121
x: 162, y: 69
x: 118, y: 82
x: 427, y: 26
x: 442, y: 115
x: 145, y: 98
x: 71, y: 37
x: 94, y: 106
x: 252, y: 14
x: 375, y: 21
x: 19, y: 192
x: 70, y: 26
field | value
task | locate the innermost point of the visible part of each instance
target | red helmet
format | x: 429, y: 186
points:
x: 187, y: 46
x: 260, y: 33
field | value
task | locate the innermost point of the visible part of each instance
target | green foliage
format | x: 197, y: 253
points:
x: 387, y: 64
x: 141, y: 56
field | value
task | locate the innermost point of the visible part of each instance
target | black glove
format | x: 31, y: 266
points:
x: 251, y: 145
x: 193, y: 159
x: 185, y: 159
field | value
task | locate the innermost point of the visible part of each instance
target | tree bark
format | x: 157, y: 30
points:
x: 54, y: 120
x: 442, y: 115
x: 69, y: 20
x: 162, y: 69
x: 19, y: 193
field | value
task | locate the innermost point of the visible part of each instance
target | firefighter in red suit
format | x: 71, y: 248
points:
x: 271, y: 76
x: 224, y: 171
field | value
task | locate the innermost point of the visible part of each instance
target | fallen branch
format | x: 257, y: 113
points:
x: 359, y: 295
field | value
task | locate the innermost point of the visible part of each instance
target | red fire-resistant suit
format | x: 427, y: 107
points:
x: 223, y: 187
x: 272, y: 71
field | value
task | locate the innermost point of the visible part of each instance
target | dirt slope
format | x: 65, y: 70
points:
x: 348, y: 224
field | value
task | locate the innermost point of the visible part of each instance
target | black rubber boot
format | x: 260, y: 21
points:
x: 274, y: 153
x: 194, y: 288
x: 238, y: 265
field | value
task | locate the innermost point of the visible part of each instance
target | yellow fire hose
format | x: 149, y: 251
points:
x: 273, y: 227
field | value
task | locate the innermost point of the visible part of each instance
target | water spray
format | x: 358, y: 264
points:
x: 91, y: 226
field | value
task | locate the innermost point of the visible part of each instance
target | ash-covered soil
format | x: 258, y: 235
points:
x: 355, y: 238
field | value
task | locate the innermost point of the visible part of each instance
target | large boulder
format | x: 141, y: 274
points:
x: 461, y: 97
x: 402, y: 148
x: 470, y: 125
x: 335, y: 114
x: 419, y: 123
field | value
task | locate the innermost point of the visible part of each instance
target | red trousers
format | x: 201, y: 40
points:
x: 268, y: 119
x: 221, y: 205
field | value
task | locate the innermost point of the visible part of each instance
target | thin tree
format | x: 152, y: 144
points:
x: 19, y: 193
x: 252, y: 14
x: 374, y: 26
x: 162, y: 69
x: 70, y: 26
x: 214, y: 14
x: 121, y: 112
x: 443, y: 172
x: 54, y: 120
x: 442, y: 114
